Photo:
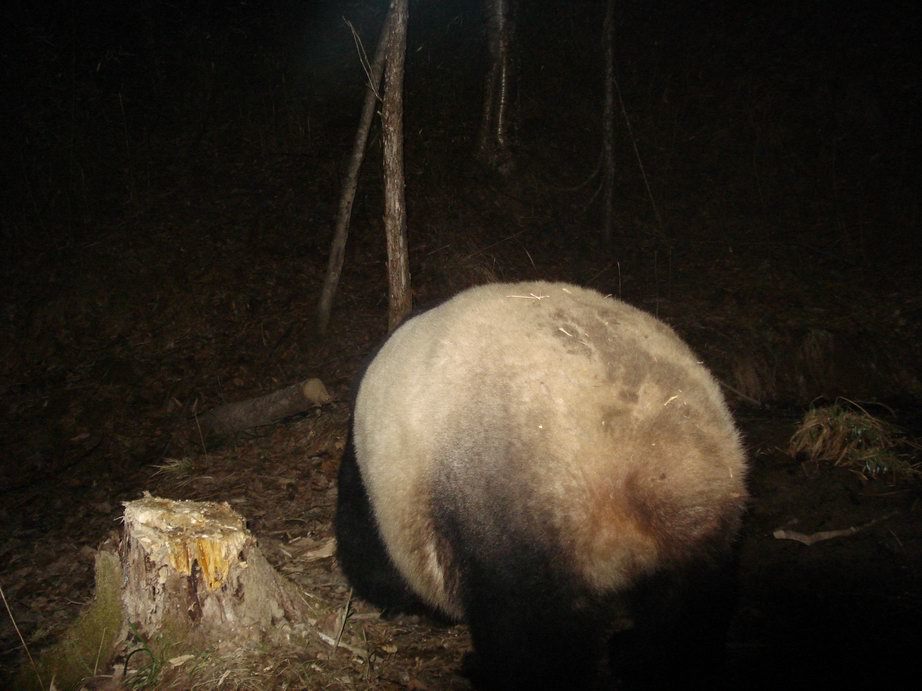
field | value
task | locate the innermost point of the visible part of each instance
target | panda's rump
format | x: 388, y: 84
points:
x: 543, y: 424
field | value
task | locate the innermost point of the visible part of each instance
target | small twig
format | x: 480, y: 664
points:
x: 739, y: 393
x: 813, y: 538
x: 363, y: 58
x: 102, y: 639
x: 494, y: 244
x: 531, y: 296
x: 351, y: 648
x: 329, y: 640
x: 579, y: 186
x: 23, y: 640
x: 199, y: 427
x: 643, y: 172
x: 528, y: 254
x: 342, y: 624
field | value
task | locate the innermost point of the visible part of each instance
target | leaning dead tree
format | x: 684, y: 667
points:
x: 389, y: 64
x: 390, y: 53
x: 493, y: 143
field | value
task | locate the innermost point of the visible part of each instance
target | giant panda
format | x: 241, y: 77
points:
x: 523, y: 457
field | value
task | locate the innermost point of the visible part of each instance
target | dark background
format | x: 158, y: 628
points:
x: 169, y: 183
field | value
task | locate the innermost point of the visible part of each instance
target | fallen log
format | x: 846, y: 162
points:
x: 265, y: 410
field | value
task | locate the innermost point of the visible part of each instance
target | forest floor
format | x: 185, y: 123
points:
x: 200, y: 287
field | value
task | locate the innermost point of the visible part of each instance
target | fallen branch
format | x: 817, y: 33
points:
x: 781, y: 534
x: 331, y: 641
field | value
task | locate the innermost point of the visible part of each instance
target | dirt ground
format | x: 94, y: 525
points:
x: 166, y: 221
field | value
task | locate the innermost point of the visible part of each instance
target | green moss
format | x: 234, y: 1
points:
x: 86, y: 647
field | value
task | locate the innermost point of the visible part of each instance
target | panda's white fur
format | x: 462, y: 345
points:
x: 545, y: 418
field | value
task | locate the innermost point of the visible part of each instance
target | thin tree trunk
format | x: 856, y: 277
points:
x: 493, y: 143
x: 608, y: 122
x: 341, y: 233
x: 398, y: 267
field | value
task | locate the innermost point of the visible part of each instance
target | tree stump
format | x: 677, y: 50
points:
x: 194, y: 571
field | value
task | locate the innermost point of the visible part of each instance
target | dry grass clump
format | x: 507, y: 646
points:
x: 846, y: 435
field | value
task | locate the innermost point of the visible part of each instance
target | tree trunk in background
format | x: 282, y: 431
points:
x: 395, y: 223
x: 341, y: 233
x: 493, y: 145
x: 608, y: 122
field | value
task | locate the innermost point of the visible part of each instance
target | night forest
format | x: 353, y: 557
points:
x: 747, y: 172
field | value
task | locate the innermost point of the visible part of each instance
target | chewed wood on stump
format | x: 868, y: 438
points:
x: 192, y: 568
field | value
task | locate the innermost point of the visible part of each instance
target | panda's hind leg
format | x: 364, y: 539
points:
x: 360, y: 549
x: 681, y: 620
x: 528, y: 639
x: 532, y: 626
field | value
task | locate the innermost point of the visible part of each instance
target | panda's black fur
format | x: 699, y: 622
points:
x: 528, y: 458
